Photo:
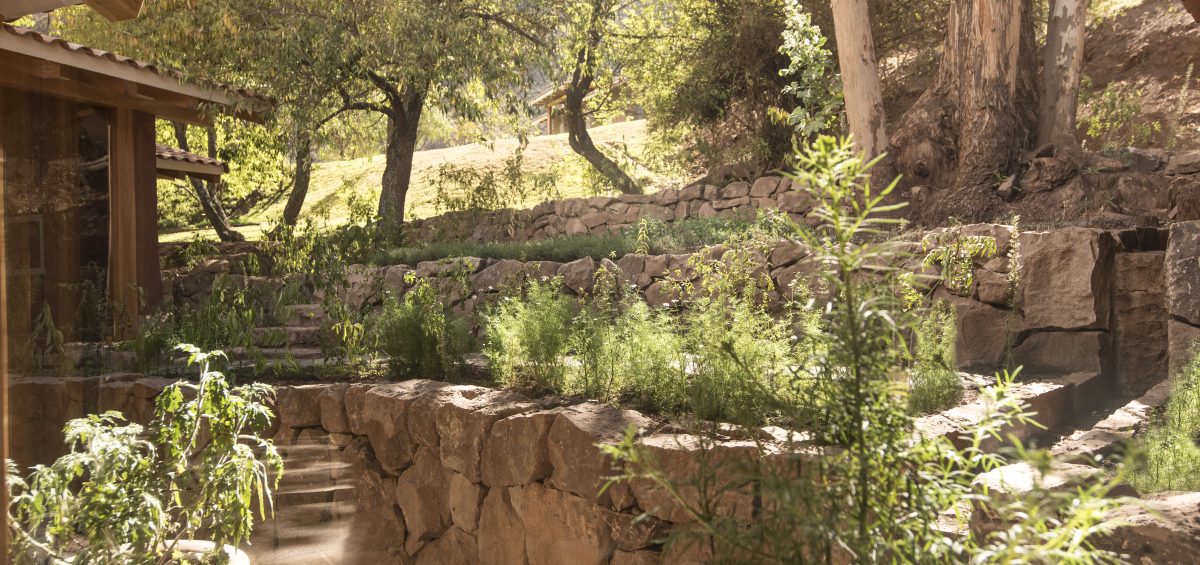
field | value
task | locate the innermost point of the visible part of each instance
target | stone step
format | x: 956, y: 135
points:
x: 289, y: 498
x: 1109, y: 435
x: 304, y: 315
x: 293, y: 336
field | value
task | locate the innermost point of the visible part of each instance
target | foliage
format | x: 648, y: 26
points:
x: 1113, y: 116
x: 526, y: 343
x: 420, y: 336
x: 933, y: 378
x: 462, y: 189
x: 814, y: 85
x: 847, y: 501
x: 1166, y: 457
x: 128, y: 494
x: 956, y: 253
x: 154, y: 340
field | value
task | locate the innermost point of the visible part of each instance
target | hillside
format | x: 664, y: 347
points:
x: 334, y: 182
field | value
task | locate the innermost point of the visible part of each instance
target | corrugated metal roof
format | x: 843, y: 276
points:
x: 173, y: 154
x: 44, y: 39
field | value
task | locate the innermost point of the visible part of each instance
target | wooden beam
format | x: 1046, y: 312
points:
x: 5, y: 424
x: 122, y: 223
x: 149, y: 270
x: 116, y: 10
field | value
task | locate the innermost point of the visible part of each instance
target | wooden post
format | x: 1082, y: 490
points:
x: 149, y: 270
x: 122, y: 223
x: 4, y: 422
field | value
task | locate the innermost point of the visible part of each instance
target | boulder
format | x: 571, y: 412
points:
x: 1143, y: 194
x: 594, y: 220
x: 1183, y: 163
x: 678, y: 456
x: 457, y: 547
x: 1163, y: 529
x: 631, y: 265
x: 636, y: 558
x: 1066, y: 278
x: 578, y: 465
x: 464, y: 419
x: 578, y: 276
x: 501, y: 532
x: 333, y: 409
x: 542, y: 270
x: 1181, y: 345
x: 982, y: 334
x: 423, y: 497
x: 655, y: 212
x: 575, y: 226
x: 516, y: 451
x: 465, y: 498
x: 1182, y: 272
x: 390, y: 424
x: 737, y: 189
x: 795, y: 202
x: 992, y: 288
x: 500, y: 274
x: 1062, y: 353
x: 447, y: 267
x: 563, y: 528
x: 764, y: 186
x: 355, y: 400
x: 1140, y: 328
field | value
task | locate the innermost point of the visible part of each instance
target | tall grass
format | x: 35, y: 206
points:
x: 1166, y: 457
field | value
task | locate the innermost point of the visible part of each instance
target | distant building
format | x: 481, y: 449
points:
x: 553, y: 118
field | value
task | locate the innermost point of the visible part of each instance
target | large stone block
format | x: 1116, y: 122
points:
x: 1181, y: 345
x: 423, y: 497
x: 982, y: 334
x: 1163, y: 529
x: 679, y: 457
x: 1140, y: 316
x: 563, y: 528
x: 1182, y: 272
x: 457, y: 546
x: 501, y: 532
x: 299, y: 406
x: 465, y: 498
x: 389, y: 421
x: 1062, y: 353
x: 578, y: 276
x: 464, y: 419
x: 333, y: 409
x: 516, y: 451
x: 1066, y: 278
x: 578, y: 465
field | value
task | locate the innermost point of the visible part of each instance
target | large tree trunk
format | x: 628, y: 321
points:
x: 404, y: 116
x: 1062, y: 66
x: 204, y: 190
x: 581, y: 83
x: 304, y: 163
x: 860, y: 77
x: 970, y: 129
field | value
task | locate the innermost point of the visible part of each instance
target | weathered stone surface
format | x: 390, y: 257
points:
x: 797, y: 202
x: 765, y: 186
x: 542, y: 270
x: 636, y: 558
x: 1183, y: 164
x: 1143, y: 160
x: 1163, y: 529
x: 661, y: 293
x: 1143, y: 194
x: 578, y: 465
x: 992, y: 288
x: 423, y: 497
x: 502, y: 273
x: 465, y: 500
x: 1062, y: 353
x: 389, y: 424
x: 677, y: 455
x: 631, y: 265
x: 355, y: 399
x: 632, y: 532
x: 516, y: 452
x: 333, y: 409
x: 501, y: 532
x: 563, y: 528
x: 1182, y: 272
x: 444, y: 267
x: 378, y: 530
x: 737, y: 189
x: 575, y: 226
x: 457, y: 546
x: 465, y: 418
x: 578, y: 276
x: 1181, y: 344
x: 982, y: 334
x: 654, y: 212
x: 1140, y: 316
x: 1066, y: 278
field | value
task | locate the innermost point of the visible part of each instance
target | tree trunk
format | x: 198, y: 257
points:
x: 1062, y: 66
x: 404, y: 116
x: 304, y: 163
x: 969, y: 130
x: 577, y: 131
x: 204, y: 190
x: 860, y: 77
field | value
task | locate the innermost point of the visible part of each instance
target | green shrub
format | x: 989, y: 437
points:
x: 1166, y: 457
x: 933, y: 378
x: 420, y: 336
x: 528, y: 335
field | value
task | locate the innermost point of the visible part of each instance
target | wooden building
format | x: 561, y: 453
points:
x: 78, y: 170
x: 553, y: 118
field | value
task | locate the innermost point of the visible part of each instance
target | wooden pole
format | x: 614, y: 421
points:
x: 4, y: 423
x: 122, y: 223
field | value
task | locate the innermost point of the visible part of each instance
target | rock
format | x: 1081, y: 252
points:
x: 465, y: 499
x: 447, y: 267
x: 764, y: 187
x: 785, y: 254
x: 516, y: 451
x: 1016, y: 481
x: 631, y: 265
x: 578, y: 465
x: 563, y: 528
x: 1140, y: 329
x: 992, y: 288
x: 795, y: 202
x: 333, y: 409
x: 692, y: 192
x: 1182, y: 272
x: 501, y: 532
x: 388, y: 423
x: 1061, y: 353
x: 464, y: 419
x: 594, y: 219
x: 661, y: 293
x: 215, y: 266
x: 1181, y: 345
x: 666, y: 197
x: 1183, y: 163
x: 503, y: 273
x: 423, y: 497
x: 706, y: 210
x: 1163, y: 529
x: 731, y: 203
x: 1066, y: 279
x: 1143, y: 160
x: 636, y: 558
x: 736, y: 189
x: 300, y: 406
x: 677, y: 456
x: 578, y: 276
x: 982, y: 334
x: 457, y: 547
x: 1008, y: 188
x: 655, y: 212
x: 542, y: 270
x: 633, y: 532
x: 1145, y: 194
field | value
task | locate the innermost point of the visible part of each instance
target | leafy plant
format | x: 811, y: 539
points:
x: 814, y: 85
x: 933, y: 378
x: 1166, y: 457
x: 465, y: 189
x: 420, y: 336
x: 129, y: 494
x: 1114, y: 115
x: 956, y: 253
x: 526, y: 342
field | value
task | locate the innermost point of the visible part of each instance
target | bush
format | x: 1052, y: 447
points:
x: 527, y: 337
x: 420, y: 336
x: 1167, y: 458
x: 933, y: 379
